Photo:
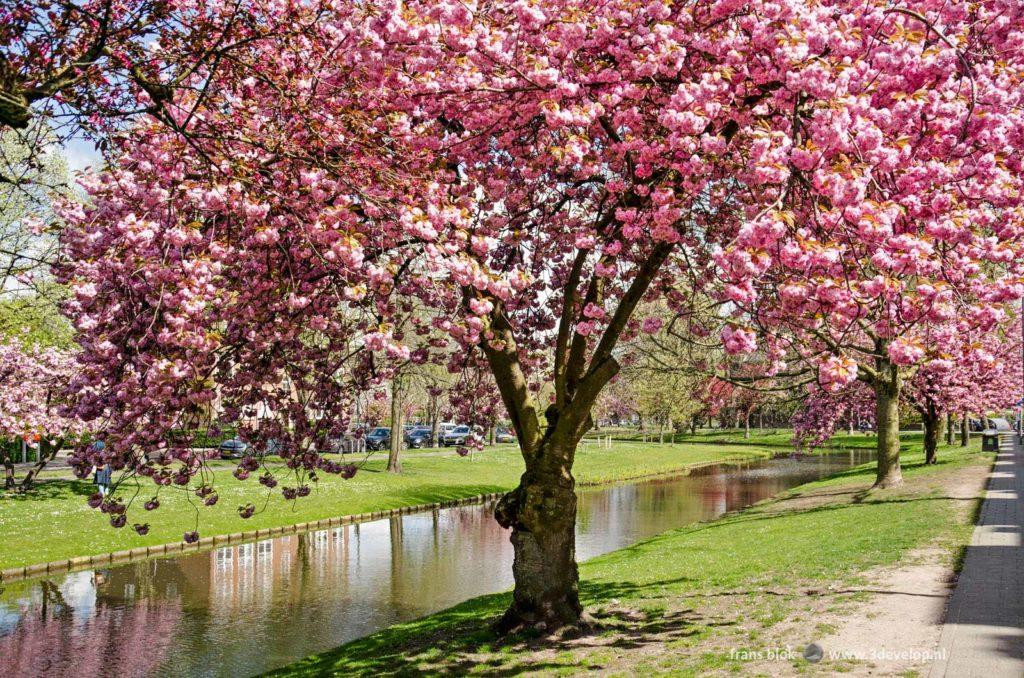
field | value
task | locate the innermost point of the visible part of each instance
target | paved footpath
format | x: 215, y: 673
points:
x: 983, y: 634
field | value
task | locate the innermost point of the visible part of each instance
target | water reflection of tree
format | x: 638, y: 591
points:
x: 53, y: 596
x: 113, y: 641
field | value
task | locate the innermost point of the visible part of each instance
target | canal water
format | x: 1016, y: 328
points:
x: 247, y: 608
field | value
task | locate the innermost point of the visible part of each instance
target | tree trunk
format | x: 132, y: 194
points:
x: 950, y: 425
x: 693, y: 426
x: 746, y: 425
x: 395, y: 450
x: 887, y: 408
x: 492, y: 433
x: 435, y: 430
x: 46, y: 455
x: 965, y: 430
x: 8, y: 461
x: 932, y: 425
x: 542, y: 515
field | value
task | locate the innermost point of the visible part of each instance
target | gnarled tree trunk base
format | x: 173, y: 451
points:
x: 541, y: 513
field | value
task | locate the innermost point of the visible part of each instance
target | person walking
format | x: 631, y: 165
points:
x: 103, y: 473
x: 102, y: 479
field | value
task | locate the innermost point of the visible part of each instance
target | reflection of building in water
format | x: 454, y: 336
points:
x: 253, y: 576
x: 242, y: 576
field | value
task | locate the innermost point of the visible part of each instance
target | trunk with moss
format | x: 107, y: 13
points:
x: 887, y: 412
x: 541, y: 513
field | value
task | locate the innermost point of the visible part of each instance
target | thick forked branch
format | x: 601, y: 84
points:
x: 603, y: 365
x: 624, y: 311
x: 565, y: 325
x: 503, y: 357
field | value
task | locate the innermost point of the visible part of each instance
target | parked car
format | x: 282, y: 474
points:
x: 502, y: 434
x: 233, y: 448
x: 418, y: 437
x: 457, y: 436
x: 999, y: 424
x: 379, y: 438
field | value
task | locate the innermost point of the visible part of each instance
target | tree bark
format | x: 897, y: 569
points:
x: 887, y: 408
x: 397, y: 437
x: 932, y: 425
x: 435, y: 427
x: 950, y: 425
x: 8, y: 461
x: 965, y: 429
x: 541, y: 513
x: 746, y: 425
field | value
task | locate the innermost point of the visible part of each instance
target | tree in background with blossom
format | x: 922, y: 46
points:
x: 893, y: 205
x: 32, y: 404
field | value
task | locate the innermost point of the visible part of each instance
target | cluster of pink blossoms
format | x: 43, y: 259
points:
x: 35, y: 392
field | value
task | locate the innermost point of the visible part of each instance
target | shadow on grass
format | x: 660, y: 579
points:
x: 454, y: 642
x: 50, y: 489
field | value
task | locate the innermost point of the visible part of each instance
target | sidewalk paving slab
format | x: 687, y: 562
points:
x: 983, y: 633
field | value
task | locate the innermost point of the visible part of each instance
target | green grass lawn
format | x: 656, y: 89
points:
x: 53, y: 521
x: 677, y: 603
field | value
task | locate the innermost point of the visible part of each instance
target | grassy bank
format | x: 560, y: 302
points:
x: 688, y: 602
x: 780, y: 437
x: 53, y: 521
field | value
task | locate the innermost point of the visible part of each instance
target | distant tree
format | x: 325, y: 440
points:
x: 32, y: 404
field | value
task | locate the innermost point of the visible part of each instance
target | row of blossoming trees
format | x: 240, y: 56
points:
x: 842, y: 180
